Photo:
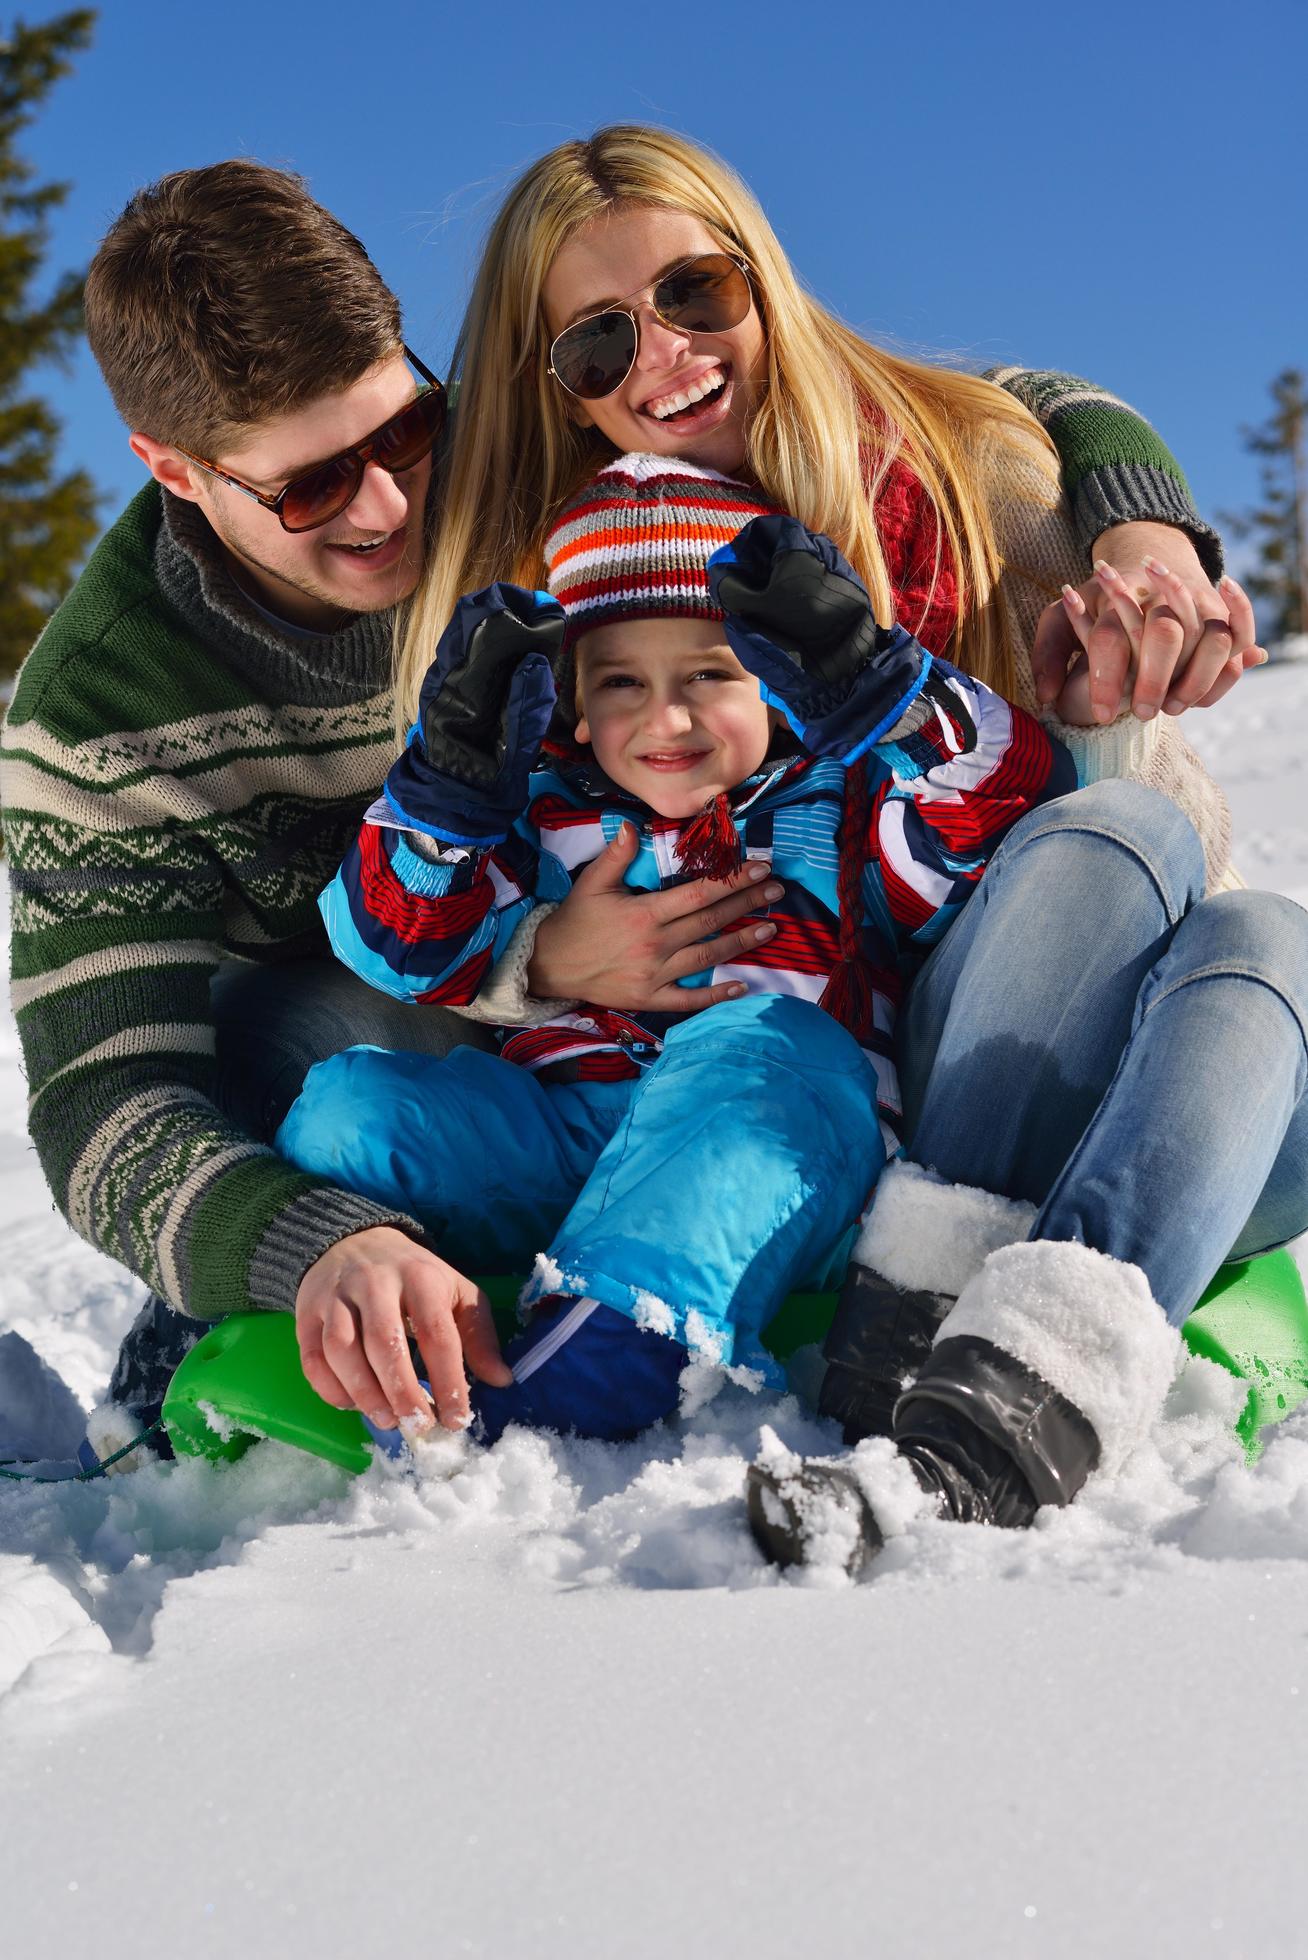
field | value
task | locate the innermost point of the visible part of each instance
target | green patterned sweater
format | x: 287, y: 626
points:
x: 180, y: 780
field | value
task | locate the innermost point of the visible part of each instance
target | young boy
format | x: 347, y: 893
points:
x: 684, y: 1172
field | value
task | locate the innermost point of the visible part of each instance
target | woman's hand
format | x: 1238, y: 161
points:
x: 1148, y: 631
x: 627, y: 950
x: 353, y: 1312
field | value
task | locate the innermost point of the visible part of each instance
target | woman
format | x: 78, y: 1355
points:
x: 853, y: 441
x: 632, y: 296
x: 840, y: 433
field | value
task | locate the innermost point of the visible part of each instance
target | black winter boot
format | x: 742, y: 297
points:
x: 983, y: 1429
x: 922, y: 1242
x: 990, y: 1438
x: 880, y: 1337
x: 986, y: 1438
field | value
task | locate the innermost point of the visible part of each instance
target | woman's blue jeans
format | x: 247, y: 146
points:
x: 1096, y: 1037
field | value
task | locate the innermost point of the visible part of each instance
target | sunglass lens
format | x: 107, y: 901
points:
x: 321, y: 494
x: 408, y: 436
x: 709, y: 295
x: 594, y: 357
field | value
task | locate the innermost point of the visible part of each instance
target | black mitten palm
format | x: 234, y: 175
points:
x: 484, y: 707
x: 799, y: 619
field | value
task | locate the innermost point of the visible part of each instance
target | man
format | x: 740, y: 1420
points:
x: 186, y: 759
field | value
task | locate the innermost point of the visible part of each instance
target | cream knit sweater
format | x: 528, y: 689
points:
x: 1041, y: 554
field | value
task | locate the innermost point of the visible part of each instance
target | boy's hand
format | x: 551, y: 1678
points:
x: 484, y: 707
x: 353, y: 1312
x: 799, y: 619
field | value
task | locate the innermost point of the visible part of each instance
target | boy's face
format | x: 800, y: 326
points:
x: 669, y: 711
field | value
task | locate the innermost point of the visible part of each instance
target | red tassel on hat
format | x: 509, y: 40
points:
x: 709, y: 846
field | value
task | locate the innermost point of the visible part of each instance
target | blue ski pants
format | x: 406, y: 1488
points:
x: 684, y: 1204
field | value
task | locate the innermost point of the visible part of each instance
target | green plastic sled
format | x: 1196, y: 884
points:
x: 244, y: 1380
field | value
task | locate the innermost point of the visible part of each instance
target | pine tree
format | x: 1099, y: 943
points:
x: 1279, y: 524
x: 47, y: 520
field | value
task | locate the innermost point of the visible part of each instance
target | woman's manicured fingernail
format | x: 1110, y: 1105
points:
x: 1104, y: 570
x: 1157, y: 567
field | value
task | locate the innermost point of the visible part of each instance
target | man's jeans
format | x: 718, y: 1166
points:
x: 273, y: 1023
x: 1094, y: 1036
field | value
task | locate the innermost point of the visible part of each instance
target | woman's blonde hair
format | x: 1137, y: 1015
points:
x: 835, y: 415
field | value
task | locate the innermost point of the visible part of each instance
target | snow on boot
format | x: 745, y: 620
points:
x: 1055, y: 1361
x: 819, y: 1506
x: 923, y: 1241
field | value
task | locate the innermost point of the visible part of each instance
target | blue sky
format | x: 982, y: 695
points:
x: 1120, y: 194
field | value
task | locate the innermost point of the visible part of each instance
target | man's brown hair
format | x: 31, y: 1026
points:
x: 225, y: 296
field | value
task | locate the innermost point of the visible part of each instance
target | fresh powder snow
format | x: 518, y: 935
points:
x: 548, y: 1700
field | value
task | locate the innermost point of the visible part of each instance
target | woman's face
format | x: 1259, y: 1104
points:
x: 616, y: 260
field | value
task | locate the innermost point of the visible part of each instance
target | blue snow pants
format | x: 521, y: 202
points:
x: 674, y: 1212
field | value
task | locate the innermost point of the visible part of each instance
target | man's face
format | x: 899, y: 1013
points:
x: 364, y: 561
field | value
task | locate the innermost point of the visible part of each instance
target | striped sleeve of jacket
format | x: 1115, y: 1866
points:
x: 426, y: 930
x: 956, y: 785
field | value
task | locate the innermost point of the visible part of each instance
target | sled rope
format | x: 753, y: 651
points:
x: 83, y: 1476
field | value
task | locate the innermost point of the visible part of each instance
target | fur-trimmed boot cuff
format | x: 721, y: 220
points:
x: 1084, y: 1325
x: 926, y: 1236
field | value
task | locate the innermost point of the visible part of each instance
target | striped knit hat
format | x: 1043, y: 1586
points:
x: 635, y: 543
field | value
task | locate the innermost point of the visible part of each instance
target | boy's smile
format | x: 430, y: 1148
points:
x: 669, y: 711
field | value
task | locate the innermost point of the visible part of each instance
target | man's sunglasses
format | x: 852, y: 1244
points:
x: 594, y: 356
x: 317, y: 495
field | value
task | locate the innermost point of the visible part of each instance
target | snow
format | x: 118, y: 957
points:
x: 547, y: 1699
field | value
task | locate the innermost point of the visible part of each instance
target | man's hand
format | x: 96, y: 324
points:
x: 1148, y: 631
x: 353, y: 1312
x: 627, y: 950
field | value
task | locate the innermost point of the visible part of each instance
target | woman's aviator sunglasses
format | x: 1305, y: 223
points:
x: 594, y: 356
x: 319, y: 494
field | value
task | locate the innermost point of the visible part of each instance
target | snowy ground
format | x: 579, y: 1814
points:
x: 556, y: 1705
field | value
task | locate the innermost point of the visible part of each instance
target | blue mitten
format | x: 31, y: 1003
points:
x: 799, y: 618
x: 484, y: 707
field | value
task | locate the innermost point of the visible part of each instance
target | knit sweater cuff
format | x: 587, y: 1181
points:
x: 503, y: 999
x: 1136, y: 493
x: 1119, y: 748
x: 307, y: 1228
